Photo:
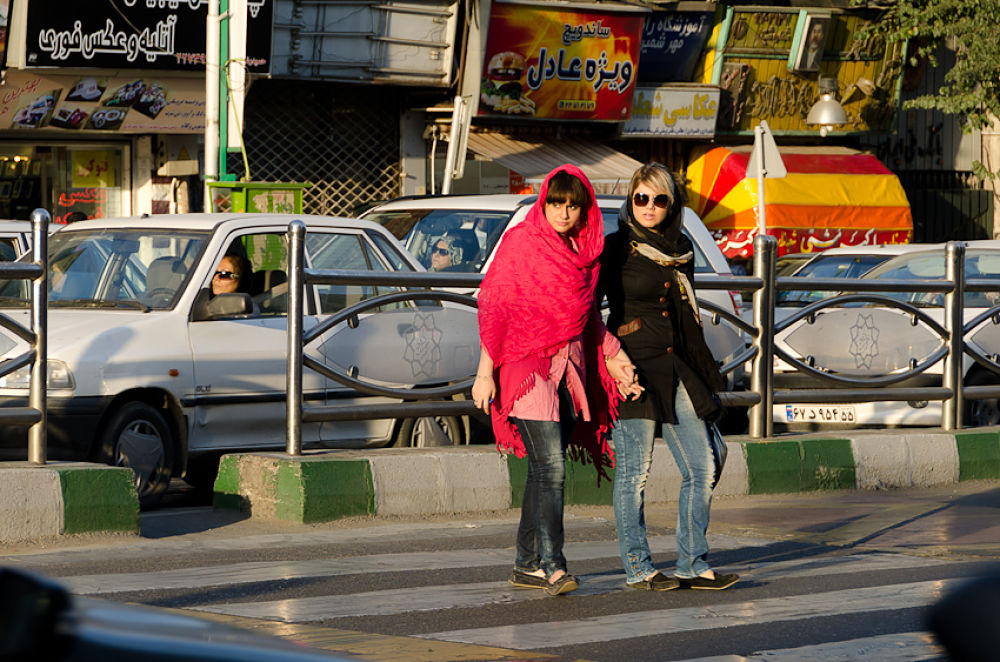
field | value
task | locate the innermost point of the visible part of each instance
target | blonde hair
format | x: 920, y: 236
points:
x: 657, y: 177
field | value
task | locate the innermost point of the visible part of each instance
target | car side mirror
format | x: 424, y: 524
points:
x: 207, y: 307
x: 30, y: 614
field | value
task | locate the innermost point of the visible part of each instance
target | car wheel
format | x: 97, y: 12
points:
x: 429, y: 431
x: 981, y: 413
x: 137, y: 436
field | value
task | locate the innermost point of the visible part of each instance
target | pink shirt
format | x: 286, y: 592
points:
x: 541, y: 403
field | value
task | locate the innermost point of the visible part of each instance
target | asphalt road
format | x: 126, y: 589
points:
x: 825, y: 576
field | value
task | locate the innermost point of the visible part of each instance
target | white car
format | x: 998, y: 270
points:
x: 479, y: 221
x: 871, y: 341
x: 149, y: 370
x: 15, y: 239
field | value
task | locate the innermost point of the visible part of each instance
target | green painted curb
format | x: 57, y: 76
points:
x: 978, y: 455
x: 775, y: 467
x: 329, y: 490
x: 580, y: 487
x: 826, y: 464
x: 772, y: 467
x: 226, y: 491
x: 302, y: 489
x: 99, y: 499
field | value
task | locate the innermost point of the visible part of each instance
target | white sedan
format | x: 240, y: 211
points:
x: 148, y: 368
x: 864, y: 342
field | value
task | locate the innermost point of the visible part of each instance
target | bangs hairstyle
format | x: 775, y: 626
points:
x: 564, y: 186
x: 656, y: 177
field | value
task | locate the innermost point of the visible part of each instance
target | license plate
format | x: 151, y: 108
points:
x: 819, y: 414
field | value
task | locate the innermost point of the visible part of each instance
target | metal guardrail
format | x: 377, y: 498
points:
x: 760, y: 350
x: 34, y: 415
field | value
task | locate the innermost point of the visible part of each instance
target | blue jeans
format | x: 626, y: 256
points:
x: 688, y: 441
x: 540, y: 532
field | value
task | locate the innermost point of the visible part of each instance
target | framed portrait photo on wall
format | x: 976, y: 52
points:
x: 809, y: 42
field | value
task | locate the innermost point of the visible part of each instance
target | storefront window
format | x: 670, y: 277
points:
x: 86, y: 181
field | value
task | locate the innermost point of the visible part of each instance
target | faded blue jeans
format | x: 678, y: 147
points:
x: 688, y: 441
x: 540, y: 532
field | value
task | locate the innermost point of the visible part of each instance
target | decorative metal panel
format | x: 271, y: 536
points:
x: 862, y: 341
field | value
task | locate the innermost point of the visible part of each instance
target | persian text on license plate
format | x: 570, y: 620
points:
x: 819, y: 414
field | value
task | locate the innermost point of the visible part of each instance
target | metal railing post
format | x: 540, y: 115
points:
x: 293, y: 384
x: 951, y: 410
x: 37, y: 452
x: 765, y: 250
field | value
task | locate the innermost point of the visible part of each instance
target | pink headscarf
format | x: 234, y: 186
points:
x: 537, y: 295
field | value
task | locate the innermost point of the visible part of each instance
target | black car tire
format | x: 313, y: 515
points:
x: 429, y: 431
x: 137, y: 436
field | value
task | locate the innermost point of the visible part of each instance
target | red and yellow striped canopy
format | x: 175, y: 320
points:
x: 831, y: 196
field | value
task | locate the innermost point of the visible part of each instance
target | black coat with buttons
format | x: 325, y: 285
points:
x: 658, y: 330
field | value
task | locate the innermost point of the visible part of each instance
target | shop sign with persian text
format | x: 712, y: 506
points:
x: 672, y: 42
x: 112, y: 104
x: 146, y: 34
x: 560, y: 63
x: 677, y: 112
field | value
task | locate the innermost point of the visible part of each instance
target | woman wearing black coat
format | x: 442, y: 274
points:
x: 647, y: 270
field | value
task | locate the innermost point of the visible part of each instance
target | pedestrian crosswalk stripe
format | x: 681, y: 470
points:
x: 264, y: 571
x: 902, y: 647
x: 534, y: 636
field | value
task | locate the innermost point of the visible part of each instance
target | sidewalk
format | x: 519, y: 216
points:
x: 329, y: 485
x: 326, y: 485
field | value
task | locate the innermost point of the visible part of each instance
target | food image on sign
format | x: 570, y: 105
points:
x: 560, y: 62
x: 126, y: 95
x: 501, y: 90
x: 35, y: 113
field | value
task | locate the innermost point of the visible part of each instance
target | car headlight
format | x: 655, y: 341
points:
x: 59, y: 377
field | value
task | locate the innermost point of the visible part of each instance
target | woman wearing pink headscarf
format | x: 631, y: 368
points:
x: 550, y: 374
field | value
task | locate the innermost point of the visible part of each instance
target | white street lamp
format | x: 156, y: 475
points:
x: 827, y: 112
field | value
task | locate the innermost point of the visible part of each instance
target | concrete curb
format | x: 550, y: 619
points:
x: 327, y: 485
x: 64, y: 498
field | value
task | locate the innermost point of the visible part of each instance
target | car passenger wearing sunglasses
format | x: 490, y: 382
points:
x: 642, y: 200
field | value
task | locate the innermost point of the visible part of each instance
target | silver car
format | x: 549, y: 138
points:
x: 868, y: 341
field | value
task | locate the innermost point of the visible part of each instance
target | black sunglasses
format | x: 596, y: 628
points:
x: 226, y: 275
x: 642, y: 199
x: 440, y: 251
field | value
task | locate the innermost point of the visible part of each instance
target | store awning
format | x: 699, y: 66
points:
x: 831, y: 196
x: 533, y: 159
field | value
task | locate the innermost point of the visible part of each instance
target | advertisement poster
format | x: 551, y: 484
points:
x: 676, y: 112
x: 671, y: 45
x: 146, y: 104
x: 93, y: 168
x: 559, y: 64
x: 135, y: 35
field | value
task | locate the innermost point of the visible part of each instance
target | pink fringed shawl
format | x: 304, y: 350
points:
x: 538, y: 294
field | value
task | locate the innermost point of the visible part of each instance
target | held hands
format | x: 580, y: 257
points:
x: 483, y: 392
x: 621, y: 369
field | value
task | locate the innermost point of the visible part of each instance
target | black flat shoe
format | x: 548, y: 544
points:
x: 522, y: 579
x: 658, y: 582
x: 564, y: 584
x: 720, y: 582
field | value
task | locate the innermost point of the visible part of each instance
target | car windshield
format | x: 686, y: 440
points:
x: 827, y: 266
x: 114, y: 268
x: 979, y: 264
x: 446, y: 239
